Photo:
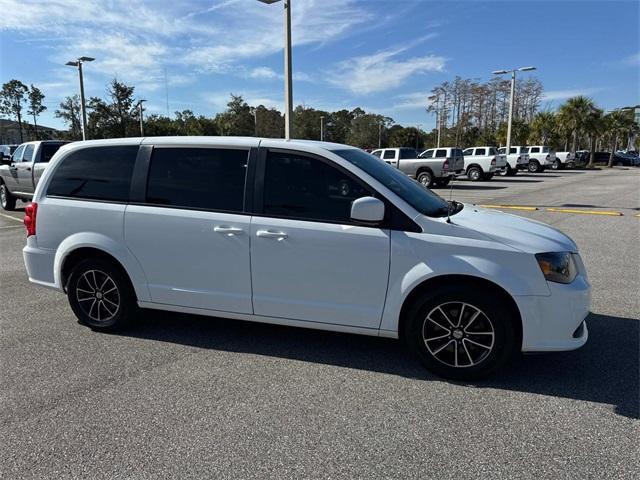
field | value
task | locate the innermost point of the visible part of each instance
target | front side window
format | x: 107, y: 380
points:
x: 427, y: 154
x: 199, y: 178
x: 389, y: 154
x: 27, y: 156
x: 468, y: 151
x: 17, y: 155
x: 307, y: 188
x: 95, y: 173
x: 377, y: 153
x: 441, y: 153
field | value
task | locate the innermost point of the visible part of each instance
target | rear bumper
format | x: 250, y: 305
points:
x: 39, y: 263
x: 555, y: 322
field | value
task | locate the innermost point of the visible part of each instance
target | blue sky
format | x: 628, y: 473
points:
x: 381, y: 55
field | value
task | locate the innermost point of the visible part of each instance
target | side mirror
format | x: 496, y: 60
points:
x: 368, y: 210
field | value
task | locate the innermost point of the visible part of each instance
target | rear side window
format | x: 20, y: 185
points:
x: 28, y: 153
x: 199, y: 178
x: 307, y: 188
x: 481, y: 151
x: 48, y: 150
x: 492, y: 151
x: 389, y: 154
x: 97, y: 173
x: 406, y: 153
x: 534, y: 150
x: 457, y: 152
x: 441, y: 153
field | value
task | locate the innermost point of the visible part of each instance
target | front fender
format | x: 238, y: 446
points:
x: 109, y: 246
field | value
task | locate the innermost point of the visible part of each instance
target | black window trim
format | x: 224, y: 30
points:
x: 394, y: 217
x: 141, y: 168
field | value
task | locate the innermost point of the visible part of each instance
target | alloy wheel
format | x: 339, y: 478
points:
x: 458, y: 334
x: 98, y: 295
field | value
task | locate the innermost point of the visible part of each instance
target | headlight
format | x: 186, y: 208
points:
x: 557, y: 267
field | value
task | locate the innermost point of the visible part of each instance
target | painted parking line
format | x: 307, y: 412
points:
x: 12, y: 218
x: 586, y: 212
x: 11, y: 226
x: 512, y: 207
x: 637, y: 215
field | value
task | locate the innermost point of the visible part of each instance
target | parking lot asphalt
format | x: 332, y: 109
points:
x: 194, y: 397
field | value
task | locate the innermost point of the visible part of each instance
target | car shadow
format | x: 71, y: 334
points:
x: 540, y: 175
x: 514, y: 180
x: 475, y: 186
x: 604, y: 371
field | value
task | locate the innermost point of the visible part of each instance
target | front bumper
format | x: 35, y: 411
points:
x: 550, y: 322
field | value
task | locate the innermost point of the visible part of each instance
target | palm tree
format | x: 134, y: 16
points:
x: 593, y: 126
x: 542, y: 127
x: 619, y: 123
x: 573, y: 114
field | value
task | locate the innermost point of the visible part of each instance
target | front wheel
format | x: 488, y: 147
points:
x: 425, y: 178
x: 474, y: 174
x: 461, y: 333
x: 534, y: 166
x: 7, y: 201
x: 100, y: 295
x: 556, y: 165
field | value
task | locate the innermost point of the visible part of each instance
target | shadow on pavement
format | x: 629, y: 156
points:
x: 467, y: 186
x: 605, y: 370
x: 514, y: 180
x: 540, y: 175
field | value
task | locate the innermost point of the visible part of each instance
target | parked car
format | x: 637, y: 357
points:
x: 564, y: 160
x: 482, y: 163
x: 300, y: 233
x: 622, y: 159
x: 19, y: 174
x: 582, y: 157
x: 429, y: 171
x: 7, y: 150
x: 518, y: 159
x: 540, y: 157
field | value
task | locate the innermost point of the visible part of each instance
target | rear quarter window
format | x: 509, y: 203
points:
x: 95, y: 173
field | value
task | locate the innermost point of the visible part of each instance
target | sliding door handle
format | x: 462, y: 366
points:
x: 271, y: 234
x: 229, y: 231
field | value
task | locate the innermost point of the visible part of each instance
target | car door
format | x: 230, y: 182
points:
x: 11, y: 180
x: 309, y: 261
x: 25, y: 169
x: 190, y: 231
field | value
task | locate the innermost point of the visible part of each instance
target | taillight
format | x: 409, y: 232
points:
x: 445, y: 165
x: 547, y: 157
x: 30, y: 212
x: 493, y: 162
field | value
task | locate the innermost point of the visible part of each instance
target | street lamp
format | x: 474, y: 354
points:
x: 78, y: 63
x: 288, y: 80
x: 513, y: 89
x: 140, y: 114
x: 322, y: 128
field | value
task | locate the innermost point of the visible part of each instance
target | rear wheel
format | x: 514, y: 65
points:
x: 460, y: 333
x: 474, y: 173
x: 7, y: 201
x: 425, y: 177
x: 534, y: 166
x: 100, y: 295
x: 556, y: 165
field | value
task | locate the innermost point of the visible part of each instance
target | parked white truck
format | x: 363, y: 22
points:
x: 518, y: 159
x: 540, y: 157
x: 433, y: 167
x: 482, y: 163
x: 564, y: 159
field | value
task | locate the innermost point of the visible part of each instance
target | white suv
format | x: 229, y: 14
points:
x: 299, y: 233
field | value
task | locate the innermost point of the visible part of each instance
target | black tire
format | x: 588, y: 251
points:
x: 534, y: 166
x: 7, y: 201
x: 556, y: 165
x: 93, y: 298
x: 474, y: 173
x: 442, y: 182
x: 487, y: 176
x: 425, y: 177
x: 498, y: 348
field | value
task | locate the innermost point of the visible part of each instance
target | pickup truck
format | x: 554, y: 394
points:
x: 564, y: 159
x: 482, y: 163
x: 19, y: 174
x: 540, y: 157
x: 433, y: 167
x: 518, y: 159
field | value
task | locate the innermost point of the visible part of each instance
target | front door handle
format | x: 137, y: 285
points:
x: 271, y: 234
x: 229, y: 231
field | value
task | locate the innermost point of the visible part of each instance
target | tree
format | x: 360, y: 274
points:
x: 69, y: 112
x: 237, y: 119
x: 617, y: 124
x: 593, y: 125
x: 573, y: 114
x: 35, y: 105
x: 269, y: 122
x: 12, y: 97
x: 543, y: 128
x: 519, y: 133
x: 366, y: 128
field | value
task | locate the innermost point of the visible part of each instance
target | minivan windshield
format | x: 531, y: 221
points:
x: 423, y: 200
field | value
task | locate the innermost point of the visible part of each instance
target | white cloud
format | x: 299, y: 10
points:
x: 411, y: 100
x: 219, y: 100
x: 382, y: 71
x: 633, y: 60
x: 551, y: 95
x: 263, y: 72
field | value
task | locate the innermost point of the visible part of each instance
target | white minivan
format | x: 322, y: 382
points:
x: 300, y: 233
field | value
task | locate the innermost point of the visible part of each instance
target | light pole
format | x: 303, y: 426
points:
x: 140, y: 114
x: 83, y: 112
x: 322, y: 128
x: 288, y: 78
x: 513, y: 90
x: 380, y: 135
x: 418, y: 135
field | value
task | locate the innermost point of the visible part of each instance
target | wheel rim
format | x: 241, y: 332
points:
x: 533, y: 167
x: 98, y: 295
x: 474, y: 174
x: 3, y: 196
x: 425, y: 179
x: 458, y: 334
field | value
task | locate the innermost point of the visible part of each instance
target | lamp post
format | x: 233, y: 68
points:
x: 140, y: 114
x: 513, y: 90
x: 288, y: 78
x: 418, y: 134
x: 83, y: 113
x: 322, y: 128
